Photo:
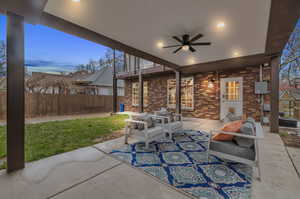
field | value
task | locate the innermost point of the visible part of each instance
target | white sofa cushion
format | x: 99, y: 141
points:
x: 151, y: 133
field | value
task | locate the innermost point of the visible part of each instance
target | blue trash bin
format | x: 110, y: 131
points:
x: 122, y: 107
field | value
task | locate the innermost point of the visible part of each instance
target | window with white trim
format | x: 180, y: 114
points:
x: 135, y: 93
x: 187, y: 93
x: 232, y: 91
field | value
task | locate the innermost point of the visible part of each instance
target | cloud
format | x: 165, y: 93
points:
x: 49, y: 66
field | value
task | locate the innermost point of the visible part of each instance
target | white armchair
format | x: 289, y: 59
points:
x: 231, y: 151
x: 145, y: 134
x: 171, y: 125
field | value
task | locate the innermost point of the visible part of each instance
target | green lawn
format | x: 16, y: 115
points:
x: 50, y: 138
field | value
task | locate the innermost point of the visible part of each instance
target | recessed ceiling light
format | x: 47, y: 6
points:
x: 236, y: 53
x: 76, y: 0
x: 160, y: 44
x: 191, y: 61
x: 221, y: 25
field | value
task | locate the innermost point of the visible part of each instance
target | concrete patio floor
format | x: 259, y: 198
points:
x: 294, y: 154
x: 91, y: 173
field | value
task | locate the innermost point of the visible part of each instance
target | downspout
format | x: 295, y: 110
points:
x: 261, y: 95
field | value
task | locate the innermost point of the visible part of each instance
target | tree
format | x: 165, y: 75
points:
x: 290, y: 67
x: 2, y: 58
x: 109, y: 59
x: 46, y: 83
x: 91, y: 67
x: 80, y: 67
x: 106, y: 61
x: 290, y: 60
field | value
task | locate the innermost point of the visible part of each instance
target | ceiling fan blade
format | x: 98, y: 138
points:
x: 178, y: 49
x: 172, y: 46
x: 177, y: 39
x: 201, y: 44
x: 192, y: 49
x: 196, y: 38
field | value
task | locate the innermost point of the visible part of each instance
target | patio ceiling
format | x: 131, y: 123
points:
x: 142, y: 24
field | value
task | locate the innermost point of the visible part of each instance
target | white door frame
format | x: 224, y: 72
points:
x: 238, y: 103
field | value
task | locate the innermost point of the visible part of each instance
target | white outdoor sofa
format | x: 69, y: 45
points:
x: 146, y: 135
x: 231, y: 151
x: 170, y: 126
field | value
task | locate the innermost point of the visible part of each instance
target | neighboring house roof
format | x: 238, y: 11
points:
x: 47, y: 80
x: 80, y: 74
x: 3, y: 82
x: 103, y: 77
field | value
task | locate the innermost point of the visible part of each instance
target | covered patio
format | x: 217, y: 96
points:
x: 246, y: 38
x: 92, y: 173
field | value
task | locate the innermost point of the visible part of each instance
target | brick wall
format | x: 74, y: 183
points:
x: 206, y: 100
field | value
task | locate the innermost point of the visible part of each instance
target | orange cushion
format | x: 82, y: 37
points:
x: 229, y: 127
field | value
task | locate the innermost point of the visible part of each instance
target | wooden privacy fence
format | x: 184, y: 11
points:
x: 37, y: 105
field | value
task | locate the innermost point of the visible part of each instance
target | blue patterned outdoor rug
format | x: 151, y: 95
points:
x: 183, y: 163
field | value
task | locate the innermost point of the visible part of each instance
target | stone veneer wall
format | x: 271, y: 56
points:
x: 206, y: 100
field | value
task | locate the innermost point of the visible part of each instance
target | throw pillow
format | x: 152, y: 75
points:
x: 145, y: 118
x: 247, y: 129
x: 229, y: 127
x: 230, y: 117
x: 164, y: 114
x: 172, y: 117
x: 149, y: 120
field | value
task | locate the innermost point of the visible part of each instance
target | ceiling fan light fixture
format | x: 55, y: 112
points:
x: 185, y: 47
x: 76, y: 1
x: 187, y: 44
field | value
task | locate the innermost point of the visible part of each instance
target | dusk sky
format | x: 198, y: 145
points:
x: 47, y: 45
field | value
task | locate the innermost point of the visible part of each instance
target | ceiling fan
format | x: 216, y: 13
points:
x: 187, y: 44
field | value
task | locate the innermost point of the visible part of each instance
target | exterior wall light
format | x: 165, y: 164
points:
x: 211, y: 83
x: 212, y: 80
